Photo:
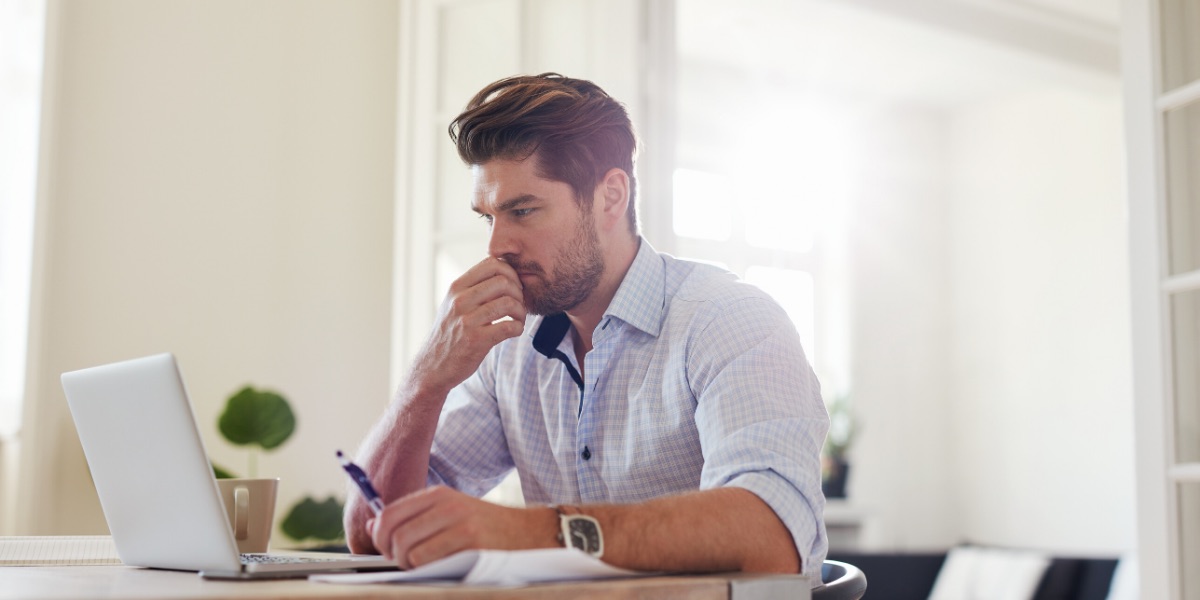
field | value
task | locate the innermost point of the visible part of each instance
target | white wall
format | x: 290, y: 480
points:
x: 1040, y: 390
x: 899, y: 345
x: 991, y: 367
x: 219, y: 184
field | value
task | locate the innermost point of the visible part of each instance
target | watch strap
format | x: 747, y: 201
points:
x: 569, y: 514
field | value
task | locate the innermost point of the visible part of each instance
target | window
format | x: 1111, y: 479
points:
x: 703, y: 205
x: 794, y: 290
x: 767, y: 201
x: 761, y: 186
x: 22, y: 25
x: 767, y: 237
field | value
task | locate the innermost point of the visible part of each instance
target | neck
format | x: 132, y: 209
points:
x: 587, y: 315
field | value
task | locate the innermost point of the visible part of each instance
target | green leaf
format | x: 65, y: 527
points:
x: 257, y: 417
x: 221, y: 473
x: 316, y: 520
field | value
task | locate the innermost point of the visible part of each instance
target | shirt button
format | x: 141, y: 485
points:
x: 586, y: 454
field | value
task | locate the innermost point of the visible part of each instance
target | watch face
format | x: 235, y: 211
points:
x: 585, y: 534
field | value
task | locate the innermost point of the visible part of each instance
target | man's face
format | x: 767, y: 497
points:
x: 538, y: 228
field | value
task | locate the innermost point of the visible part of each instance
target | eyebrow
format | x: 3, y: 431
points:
x: 509, y: 204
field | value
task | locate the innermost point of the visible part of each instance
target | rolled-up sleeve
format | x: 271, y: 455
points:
x: 470, y: 452
x: 760, y: 417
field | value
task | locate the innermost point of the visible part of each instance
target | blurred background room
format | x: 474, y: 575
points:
x: 936, y: 191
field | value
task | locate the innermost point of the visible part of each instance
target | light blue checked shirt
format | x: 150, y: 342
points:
x: 695, y: 381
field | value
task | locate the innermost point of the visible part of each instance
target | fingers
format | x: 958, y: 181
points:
x: 469, y: 324
x: 398, y: 518
x: 427, y: 537
x: 484, y: 270
x: 436, y: 522
x: 495, y: 294
x: 486, y: 292
x: 436, y: 547
x: 417, y: 529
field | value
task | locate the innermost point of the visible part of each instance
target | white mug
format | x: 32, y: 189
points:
x: 250, y: 507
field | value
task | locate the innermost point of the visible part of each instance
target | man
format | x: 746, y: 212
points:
x: 667, y: 409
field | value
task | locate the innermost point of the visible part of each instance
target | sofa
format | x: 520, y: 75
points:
x: 910, y: 576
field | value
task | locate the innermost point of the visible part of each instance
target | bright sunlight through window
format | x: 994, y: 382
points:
x: 22, y: 23
x: 794, y: 291
x: 703, y: 205
x: 766, y: 194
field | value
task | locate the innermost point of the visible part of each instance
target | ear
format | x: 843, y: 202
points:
x: 612, y: 198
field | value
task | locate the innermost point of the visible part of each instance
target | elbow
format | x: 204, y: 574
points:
x: 778, y: 558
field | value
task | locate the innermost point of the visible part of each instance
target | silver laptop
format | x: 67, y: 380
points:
x: 154, y: 480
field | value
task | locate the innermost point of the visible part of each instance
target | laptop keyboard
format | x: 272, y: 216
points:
x: 248, y: 559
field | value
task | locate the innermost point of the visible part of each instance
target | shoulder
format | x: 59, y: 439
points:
x: 707, y: 290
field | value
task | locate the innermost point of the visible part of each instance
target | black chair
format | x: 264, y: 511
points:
x: 840, y: 581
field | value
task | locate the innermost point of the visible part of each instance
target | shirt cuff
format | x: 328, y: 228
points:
x: 806, y: 523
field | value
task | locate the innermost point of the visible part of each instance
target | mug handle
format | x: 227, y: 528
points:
x: 241, y: 512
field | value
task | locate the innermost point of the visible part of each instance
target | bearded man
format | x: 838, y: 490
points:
x: 661, y: 414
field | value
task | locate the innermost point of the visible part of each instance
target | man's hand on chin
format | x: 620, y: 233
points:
x: 438, y: 521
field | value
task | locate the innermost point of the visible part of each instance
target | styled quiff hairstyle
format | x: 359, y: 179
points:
x: 575, y: 130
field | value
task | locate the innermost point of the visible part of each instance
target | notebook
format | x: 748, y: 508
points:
x: 154, y: 480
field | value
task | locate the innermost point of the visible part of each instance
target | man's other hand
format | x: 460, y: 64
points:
x: 438, y: 521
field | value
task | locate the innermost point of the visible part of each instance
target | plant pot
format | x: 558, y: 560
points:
x: 834, y: 484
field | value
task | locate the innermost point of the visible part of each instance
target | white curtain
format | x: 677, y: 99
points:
x: 22, y: 28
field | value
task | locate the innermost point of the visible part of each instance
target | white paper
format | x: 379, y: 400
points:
x: 497, y: 567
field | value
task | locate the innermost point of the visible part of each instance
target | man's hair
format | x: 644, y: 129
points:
x: 575, y: 131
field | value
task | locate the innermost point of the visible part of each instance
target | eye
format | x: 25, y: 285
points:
x: 522, y: 212
x: 487, y: 218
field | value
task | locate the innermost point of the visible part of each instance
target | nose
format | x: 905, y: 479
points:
x: 502, y: 242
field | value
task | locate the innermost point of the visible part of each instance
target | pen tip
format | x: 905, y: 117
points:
x: 340, y: 455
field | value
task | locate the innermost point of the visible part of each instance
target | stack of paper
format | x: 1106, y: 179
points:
x: 498, y: 567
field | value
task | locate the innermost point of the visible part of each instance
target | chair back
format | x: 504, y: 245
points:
x: 840, y: 581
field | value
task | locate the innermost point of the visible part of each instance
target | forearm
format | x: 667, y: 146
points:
x: 727, y: 529
x: 396, y: 455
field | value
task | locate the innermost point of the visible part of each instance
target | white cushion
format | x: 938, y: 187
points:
x: 1125, y: 579
x: 973, y: 573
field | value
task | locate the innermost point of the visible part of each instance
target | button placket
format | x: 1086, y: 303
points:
x: 595, y: 363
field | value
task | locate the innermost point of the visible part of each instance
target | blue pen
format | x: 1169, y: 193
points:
x: 364, y: 483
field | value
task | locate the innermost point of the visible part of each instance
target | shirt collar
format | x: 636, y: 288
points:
x: 639, y: 302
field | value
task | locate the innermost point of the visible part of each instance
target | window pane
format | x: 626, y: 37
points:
x: 1189, y: 539
x: 702, y: 205
x: 1183, y: 187
x: 22, y: 25
x: 715, y: 263
x: 794, y: 291
x: 797, y: 175
x: 780, y: 220
x: 1181, y: 45
x: 1185, y: 319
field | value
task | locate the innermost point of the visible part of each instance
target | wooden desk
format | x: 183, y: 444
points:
x: 60, y: 583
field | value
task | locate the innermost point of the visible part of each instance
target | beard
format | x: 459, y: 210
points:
x: 576, y: 274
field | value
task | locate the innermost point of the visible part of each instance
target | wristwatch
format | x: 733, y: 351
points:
x: 577, y: 530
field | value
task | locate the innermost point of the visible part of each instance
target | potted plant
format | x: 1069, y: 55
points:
x: 835, y: 462
x: 263, y: 420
